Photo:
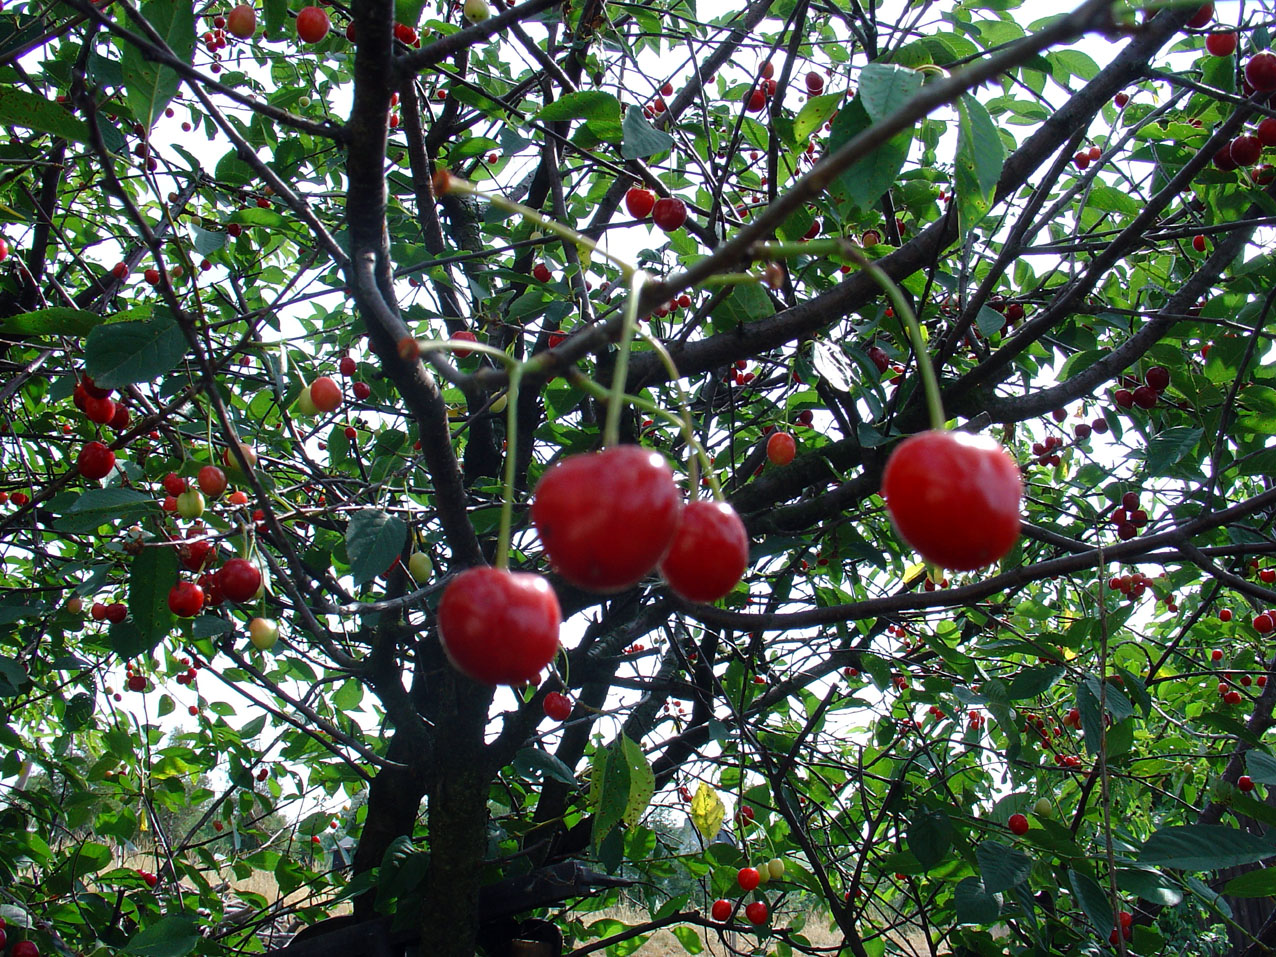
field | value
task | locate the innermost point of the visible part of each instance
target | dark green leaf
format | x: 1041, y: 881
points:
x: 1001, y: 867
x: 1032, y: 682
x: 103, y: 506
x: 1166, y: 449
x: 374, y: 540
x: 1261, y: 766
x: 1150, y: 884
x: 641, y: 138
x: 974, y: 904
x: 534, y: 759
x: 1205, y: 847
x: 1257, y: 883
x: 79, y: 712
x: 930, y: 837
x: 1096, y: 904
x: 32, y: 112
x: 148, y: 86
x: 173, y: 936
x: 124, y: 353
x: 153, y: 573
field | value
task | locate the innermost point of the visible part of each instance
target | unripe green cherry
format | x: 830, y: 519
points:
x: 476, y: 11
x: 499, y: 403
x: 764, y: 873
x: 305, y: 405
x: 1043, y: 808
x: 190, y: 504
x: 776, y: 868
x: 420, y: 567
x: 263, y: 633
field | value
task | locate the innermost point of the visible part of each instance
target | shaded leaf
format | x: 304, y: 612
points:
x: 1205, y: 847
x: 125, y: 353
x: 374, y: 540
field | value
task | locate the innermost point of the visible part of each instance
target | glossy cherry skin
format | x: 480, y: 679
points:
x: 721, y: 911
x: 499, y: 627
x: 709, y: 553
x: 954, y: 497
x: 95, y: 461
x: 557, y: 706
x: 781, y: 447
x: 312, y: 24
x: 756, y: 912
x: 607, y: 518
x: 239, y: 580
x: 640, y: 202
x: 185, y: 599
x: 669, y: 213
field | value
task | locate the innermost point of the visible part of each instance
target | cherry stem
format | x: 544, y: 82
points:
x: 511, y: 448
x: 615, y: 403
x: 904, y: 312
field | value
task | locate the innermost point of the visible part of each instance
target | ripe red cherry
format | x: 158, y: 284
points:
x: 639, y: 202
x: 1120, y: 100
x: 466, y: 336
x: 98, y: 410
x: 709, y: 553
x: 95, y: 461
x: 1018, y: 824
x: 1221, y: 44
x: 954, y: 497
x: 1245, y: 782
x: 325, y: 394
x: 346, y: 366
x: 25, y: 948
x: 361, y: 390
x: 1225, y: 614
x: 499, y: 627
x: 1201, y: 17
x: 1267, y: 132
x: 185, y: 599
x: 721, y: 911
x: 241, y: 21
x: 748, y: 878
x: 607, y: 518
x: 1158, y: 378
x: 814, y: 83
x: 756, y: 912
x: 1264, y: 623
x: 1260, y: 71
x: 312, y: 24
x: 212, y: 481
x: 669, y: 213
x: 781, y: 447
x: 116, y: 612
x: 239, y: 580
x: 541, y: 273
x: 1198, y: 243
x: 1247, y: 150
x: 557, y: 706
x: 194, y: 554
x: 1145, y: 397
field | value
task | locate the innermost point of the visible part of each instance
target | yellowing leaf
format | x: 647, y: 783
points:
x: 707, y: 812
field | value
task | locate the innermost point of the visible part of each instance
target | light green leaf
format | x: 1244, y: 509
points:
x: 104, y: 506
x: 885, y: 87
x: 980, y: 156
x: 642, y: 781
x: 56, y: 321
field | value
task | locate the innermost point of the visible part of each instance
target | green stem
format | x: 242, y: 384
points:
x: 511, y: 447
x: 611, y: 429
x: 698, y: 453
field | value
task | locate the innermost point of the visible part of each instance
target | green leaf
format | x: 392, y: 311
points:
x: 1001, y: 867
x: 885, y: 87
x: 56, y: 321
x: 148, y: 86
x: 866, y: 180
x: 1261, y: 767
x: 586, y: 105
x: 1166, y: 449
x: 1096, y: 904
x: 689, y: 939
x: 1150, y: 884
x: 980, y: 156
x: 973, y: 904
x: 154, y: 572
x: 374, y: 539
x: 124, y: 353
x: 815, y: 112
x: 79, y: 712
x: 32, y: 112
x: 930, y: 837
x: 173, y: 936
x: 104, y: 506
x: 1205, y: 847
x: 641, y: 139
x: 745, y: 303
x: 534, y: 759
x: 1032, y: 682
x: 642, y: 780
x: 1258, y: 883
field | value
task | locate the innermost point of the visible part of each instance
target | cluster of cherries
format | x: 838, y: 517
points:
x: 21, y: 948
x: 1128, y: 519
x: 668, y: 212
x: 749, y: 879
x: 606, y: 520
x: 1145, y: 396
